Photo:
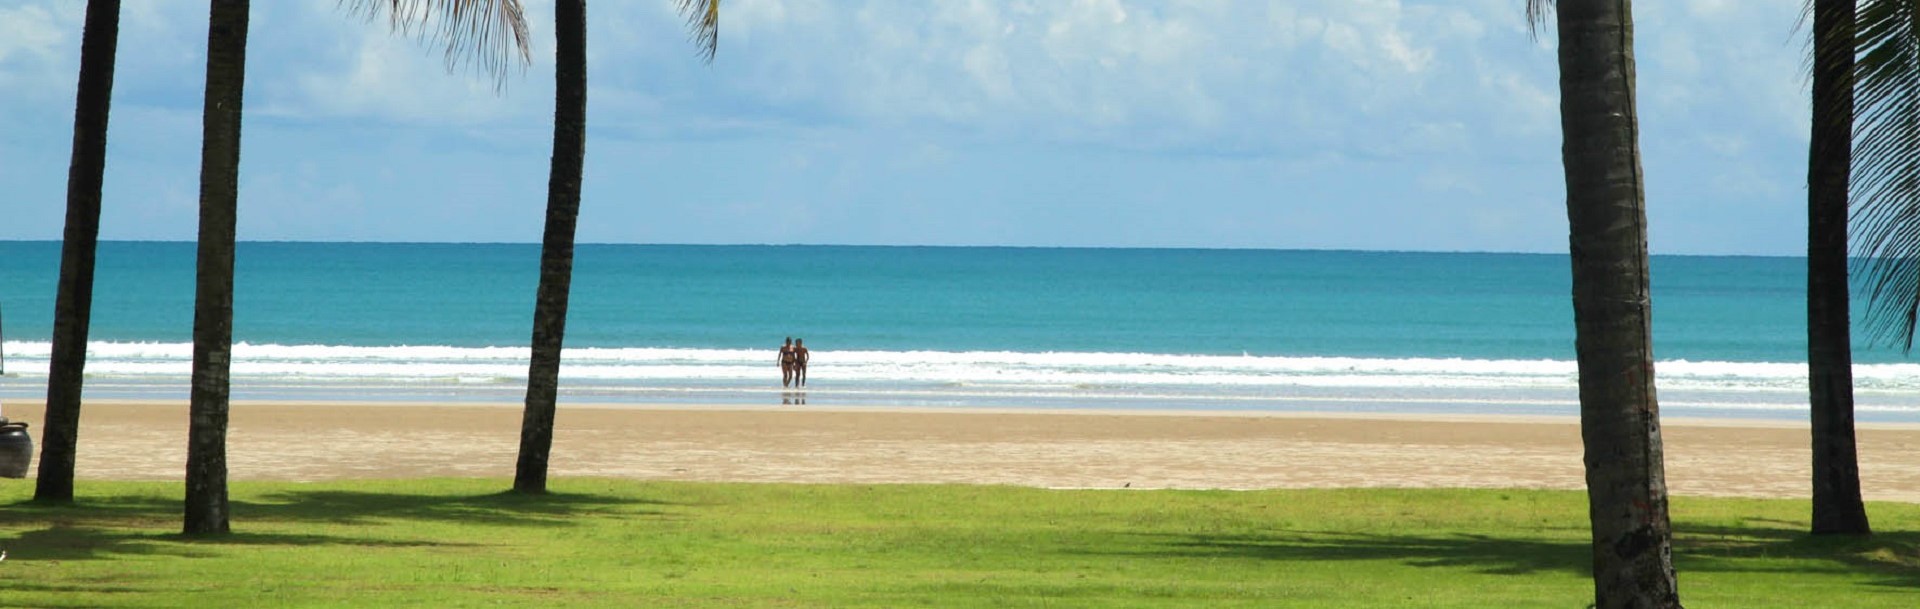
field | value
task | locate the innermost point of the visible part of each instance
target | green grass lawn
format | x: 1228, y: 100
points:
x: 440, y: 543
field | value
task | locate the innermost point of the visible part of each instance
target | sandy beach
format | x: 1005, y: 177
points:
x: 125, y: 440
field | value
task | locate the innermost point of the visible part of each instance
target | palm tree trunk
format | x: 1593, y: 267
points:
x: 556, y: 246
x: 1837, y: 507
x: 1606, y: 213
x: 73, y: 307
x: 206, y: 502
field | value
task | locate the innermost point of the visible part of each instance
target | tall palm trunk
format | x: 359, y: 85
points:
x: 206, y: 502
x: 1836, y: 464
x: 556, y: 246
x: 73, y: 307
x: 1606, y: 213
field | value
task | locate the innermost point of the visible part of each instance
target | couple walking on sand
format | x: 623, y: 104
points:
x: 793, y: 363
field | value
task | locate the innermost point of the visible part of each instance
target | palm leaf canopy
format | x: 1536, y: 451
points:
x: 1885, y: 183
x: 1885, y: 187
x: 489, y: 33
x: 703, y: 25
x: 1537, y: 15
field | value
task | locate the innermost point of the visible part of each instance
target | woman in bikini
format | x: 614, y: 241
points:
x: 787, y: 358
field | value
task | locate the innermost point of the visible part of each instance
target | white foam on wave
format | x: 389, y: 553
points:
x: 1006, y: 369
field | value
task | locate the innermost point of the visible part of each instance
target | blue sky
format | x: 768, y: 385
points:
x: 1358, y: 124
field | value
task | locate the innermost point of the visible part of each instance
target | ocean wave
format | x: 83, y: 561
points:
x: 1004, y: 369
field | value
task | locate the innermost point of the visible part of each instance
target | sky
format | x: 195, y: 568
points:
x: 1312, y: 124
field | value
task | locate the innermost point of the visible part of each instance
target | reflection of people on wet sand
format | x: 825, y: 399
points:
x: 786, y: 363
x: 800, y: 357
x: 793, y: 398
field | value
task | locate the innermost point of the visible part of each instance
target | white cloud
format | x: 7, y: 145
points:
x: 1710, y: 8
x: 30, y: 33
x: 1337, y: 103
x: 35, y: 43
x: 1234, y: 76
x: 1136, y: 74
x: 346, y: 68
x: 386, y: 80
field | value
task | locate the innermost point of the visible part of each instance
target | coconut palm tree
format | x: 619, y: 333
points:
x: 206, y: 500
x: 73, y: 306
x: 475, y: 22
x: 1885, y: 181
x: 563, y: 212
x: 1837, y: 508
x: 1612, y: 307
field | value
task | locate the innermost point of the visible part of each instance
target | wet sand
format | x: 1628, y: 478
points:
x: 131, y: 440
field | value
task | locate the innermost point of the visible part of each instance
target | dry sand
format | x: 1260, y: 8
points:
x: 321, y: 441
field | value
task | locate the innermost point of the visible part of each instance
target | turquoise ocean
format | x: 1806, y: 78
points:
x: 959, y: 327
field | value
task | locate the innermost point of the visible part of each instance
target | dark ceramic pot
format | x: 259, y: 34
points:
x: 16, y: 449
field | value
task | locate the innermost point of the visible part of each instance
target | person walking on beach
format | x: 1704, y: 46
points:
x: 800, y: 357
x: 787, y: 357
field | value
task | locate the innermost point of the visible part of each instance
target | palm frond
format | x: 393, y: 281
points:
x: 703, y: 26
x: 487, y: 33
x: 1886, y: 166
x: 1805, y: 21
x: 1537, y: 16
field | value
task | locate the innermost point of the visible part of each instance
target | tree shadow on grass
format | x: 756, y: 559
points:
x: 498, y: 509
x: 85, y: 594
x: 92, y: 543
x: 1487, y: 554
x: 1893, y: 558
x: 346, y: 507
x: 122, y: 525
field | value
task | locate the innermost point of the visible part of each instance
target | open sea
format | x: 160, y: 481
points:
x: 936, y: 326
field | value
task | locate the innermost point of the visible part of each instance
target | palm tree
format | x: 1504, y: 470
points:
x: 1884, y: 117
x: 73, y: 307
x: 206, y: 501
x: 1837, y: 508
x: 556, y: 243
x: 1606, y: 213
x: 563, y: 212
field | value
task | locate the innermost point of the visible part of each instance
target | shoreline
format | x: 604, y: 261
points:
x: 38, y: 406
x: 301, y: 441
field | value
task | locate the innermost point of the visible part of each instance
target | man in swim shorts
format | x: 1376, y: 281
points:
x: 800, y: 357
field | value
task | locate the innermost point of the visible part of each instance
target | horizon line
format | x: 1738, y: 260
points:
x: 942, y: 246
